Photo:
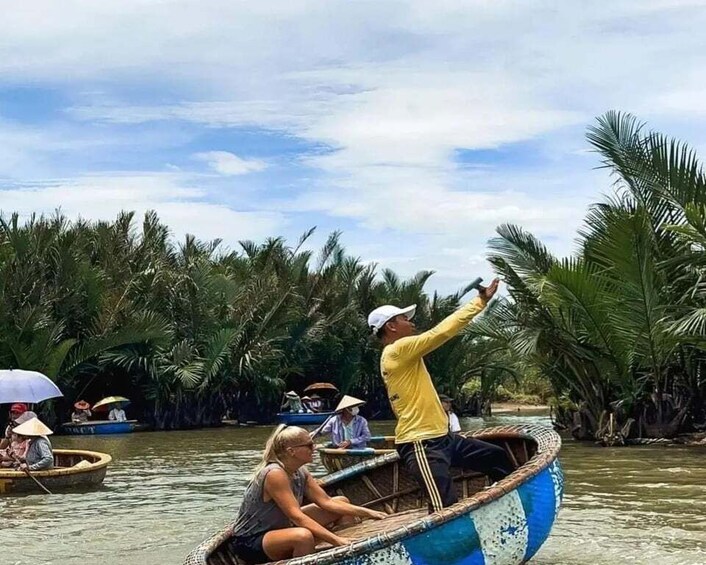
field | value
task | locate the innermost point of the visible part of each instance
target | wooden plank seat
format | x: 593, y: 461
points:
x: 369, y: 528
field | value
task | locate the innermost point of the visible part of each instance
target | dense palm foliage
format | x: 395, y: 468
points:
x: 188, y: 331
x: 619, y: 328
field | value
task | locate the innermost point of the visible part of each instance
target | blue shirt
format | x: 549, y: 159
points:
x: 359, y: 431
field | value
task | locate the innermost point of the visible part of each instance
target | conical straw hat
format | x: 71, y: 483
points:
x: 349, y: 402
x: 32, y: 428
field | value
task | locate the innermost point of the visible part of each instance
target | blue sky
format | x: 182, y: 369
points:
x: 414, y: 127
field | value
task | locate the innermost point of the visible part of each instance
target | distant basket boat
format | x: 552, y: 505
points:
x: 101, y: 427
x: 73, y: 469
x: 303, y: 418
x: 504, y: 524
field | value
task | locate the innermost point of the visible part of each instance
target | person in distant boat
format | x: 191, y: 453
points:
x: 306, y: 404
x: 81, y: 412
x: 13, y: 452
x: 273, y: 523
x: 315, y: 403
x: 447, y: 403
x: 39, y: 454
x: 292, y: 402
x: 16, y: 449
x: 348, y: 428
x: 117, y: 414
x: 16, y: 410
x: 423, y: 439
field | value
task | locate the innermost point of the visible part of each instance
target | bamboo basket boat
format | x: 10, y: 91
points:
x: 502, y: 524
x: 335, y: 459
x: 303, y: 418
x: 102, y: 427
x: 69, y: 472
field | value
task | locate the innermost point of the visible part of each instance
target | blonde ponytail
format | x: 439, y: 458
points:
x: 282, y: 437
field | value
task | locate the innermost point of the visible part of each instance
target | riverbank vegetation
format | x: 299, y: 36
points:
x: 619, y: 328
x: 191, y: 330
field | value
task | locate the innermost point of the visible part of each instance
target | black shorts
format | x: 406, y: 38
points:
x: 249, y: 548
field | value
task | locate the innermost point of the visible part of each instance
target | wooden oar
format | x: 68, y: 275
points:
x: 317, y: 431
x: 31, y: 476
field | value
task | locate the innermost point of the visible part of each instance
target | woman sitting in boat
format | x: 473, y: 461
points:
x: 348, y: 428
x: 81, y: 412
x: 272, y: 523
x: 39, y: 455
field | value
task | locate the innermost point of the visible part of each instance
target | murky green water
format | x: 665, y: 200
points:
x: 165, y: 492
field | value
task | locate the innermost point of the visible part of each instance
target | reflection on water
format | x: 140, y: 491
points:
x: 166, y: 491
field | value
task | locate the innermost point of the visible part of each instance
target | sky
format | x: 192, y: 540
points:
x: 413, y: 127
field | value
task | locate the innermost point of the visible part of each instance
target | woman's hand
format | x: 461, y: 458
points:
x: 342, y: 541
x: 374, y: 514
x: 344, y: 444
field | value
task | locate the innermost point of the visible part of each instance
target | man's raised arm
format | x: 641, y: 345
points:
x: 420, y: 345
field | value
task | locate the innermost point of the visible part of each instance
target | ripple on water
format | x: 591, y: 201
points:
x: 165, y: 492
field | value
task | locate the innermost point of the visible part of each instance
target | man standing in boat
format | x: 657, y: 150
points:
x: 422, y: 435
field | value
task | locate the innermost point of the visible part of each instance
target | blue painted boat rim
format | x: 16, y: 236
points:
x: 548, y: 446
x: 96, y: 423
x: 304, y: 414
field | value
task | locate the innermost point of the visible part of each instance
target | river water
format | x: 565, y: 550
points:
x: 166, y: 491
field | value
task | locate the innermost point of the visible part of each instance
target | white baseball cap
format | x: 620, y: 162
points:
x: 380, y: 316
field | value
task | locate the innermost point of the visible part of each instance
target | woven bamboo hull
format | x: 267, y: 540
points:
x: 303, y: 418
x: 101, y: 427
x: 62, y: 477
x: 336, y: 459
x: 502, y: 524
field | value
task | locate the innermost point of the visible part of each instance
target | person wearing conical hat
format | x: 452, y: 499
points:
x: 315, y: 403
x: 348, y: 428
x: 292, y: 402
x: 306, y: 403
x: 39, y: 455
x: 81, y: 412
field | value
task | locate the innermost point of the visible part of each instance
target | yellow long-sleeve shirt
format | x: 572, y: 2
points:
x: 414, y: 399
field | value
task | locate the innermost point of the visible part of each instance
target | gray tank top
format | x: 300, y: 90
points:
x: 257, y: 516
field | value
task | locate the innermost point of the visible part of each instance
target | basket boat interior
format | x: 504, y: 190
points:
x: 68, y: 460
x: 386, y: 485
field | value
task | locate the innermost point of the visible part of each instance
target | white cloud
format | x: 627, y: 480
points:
x: 228, y: 164
x: 393, y: 89
x: 182, y: 206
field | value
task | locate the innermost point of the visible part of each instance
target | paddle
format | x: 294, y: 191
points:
x: 31, y: 476
x: 317, y: 431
